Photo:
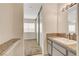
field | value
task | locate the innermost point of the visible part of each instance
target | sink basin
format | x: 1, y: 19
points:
x: 64, y: 41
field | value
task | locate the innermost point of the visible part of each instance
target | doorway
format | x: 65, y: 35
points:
x: 31, y: 29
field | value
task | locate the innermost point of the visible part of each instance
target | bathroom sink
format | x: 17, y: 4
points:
x: 64, y: 41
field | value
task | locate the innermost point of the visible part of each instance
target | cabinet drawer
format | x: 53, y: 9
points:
x: 49, y: 42
x: 56, y: 53
x: 63, y: 50
x: 70, y: 54
x: 49, y: 49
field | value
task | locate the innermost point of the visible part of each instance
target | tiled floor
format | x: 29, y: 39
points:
x: 31, y: 47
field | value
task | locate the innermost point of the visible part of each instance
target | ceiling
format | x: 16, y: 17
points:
x: 31, y: 10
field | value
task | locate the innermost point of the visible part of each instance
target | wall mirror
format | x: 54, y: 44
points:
x: 72, y: 24
x: 72, y: 21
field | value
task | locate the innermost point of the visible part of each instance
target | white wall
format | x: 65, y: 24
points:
x: 50, y: 17
x: 49, y: 22
x: 11, y: 22
x: 6, y: 18
x: 11, y: 19
x: 62, y: 20
x: 18, y: 27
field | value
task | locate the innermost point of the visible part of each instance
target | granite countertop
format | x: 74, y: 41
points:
x: 66, y: 43
x: 72, y: 48
x: 5, y: 46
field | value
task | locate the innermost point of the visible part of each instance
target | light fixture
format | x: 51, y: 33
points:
x: 67, y: 6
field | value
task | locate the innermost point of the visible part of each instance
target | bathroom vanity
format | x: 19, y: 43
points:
x: 59, y: 46
x: 64, y: 43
